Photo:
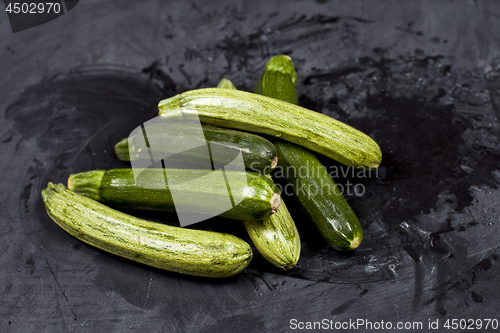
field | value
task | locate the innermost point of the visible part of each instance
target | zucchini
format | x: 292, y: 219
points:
x: 282, y: 64
x: 118, y: 188
x: 334, y: 218
x: 277, y: 85
x: 261, y: 114
x: 259, y: 154
x: 181, y: 250
x: 320, y: 197
x: 276, y: 237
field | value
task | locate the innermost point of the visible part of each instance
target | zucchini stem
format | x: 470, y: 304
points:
x: 274, y: 162
x: 87, y: 183
x: 355, y: 243
x: 275, y: 203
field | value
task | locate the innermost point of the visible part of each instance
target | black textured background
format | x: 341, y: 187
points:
x: 422, y: 78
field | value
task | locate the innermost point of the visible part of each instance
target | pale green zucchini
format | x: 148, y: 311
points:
x: 182, y: 250
x: 261, y: 114
x: 276, y: 238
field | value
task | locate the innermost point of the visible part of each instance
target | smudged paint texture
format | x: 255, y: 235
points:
x: 421, y: 78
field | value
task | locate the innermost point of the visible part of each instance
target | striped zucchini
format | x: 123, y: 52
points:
x: 259, y: 154
x: 282, y: 64
x: 277, y: 85
x: 182, y: 250
x: 118, y: 188
x: 261, y: 114
x: 274, y: 81
x: 275, y: 237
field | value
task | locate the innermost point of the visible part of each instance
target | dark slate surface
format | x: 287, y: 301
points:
x: 420, y: 77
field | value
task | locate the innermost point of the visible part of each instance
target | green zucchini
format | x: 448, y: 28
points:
x: 259, y: 154
x: 320, y: 197
x: 277, y: 85
x: 282, y: 64
x: 182, y: 250
x: 334, y: 218
x: 118, y: 188
x: 276, y: 238
x: 261, y: 114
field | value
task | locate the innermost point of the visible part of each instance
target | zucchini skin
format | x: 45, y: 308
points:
x: 181, y: 250
x: 118, y: 188
x: 276, y: 238
x: 261, y: 114
x: 277, y: 85
x: 336, y: 221
x: 259, y: 154
x: 334, y: 218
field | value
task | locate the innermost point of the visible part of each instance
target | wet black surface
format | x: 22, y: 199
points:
x: 421, y: 78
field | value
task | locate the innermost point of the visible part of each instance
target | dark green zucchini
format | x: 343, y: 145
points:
x: 182, y: 250
x: 259, y: 154
x: 319, y: 196
x: 118, y: 188
x: 317, y: 193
